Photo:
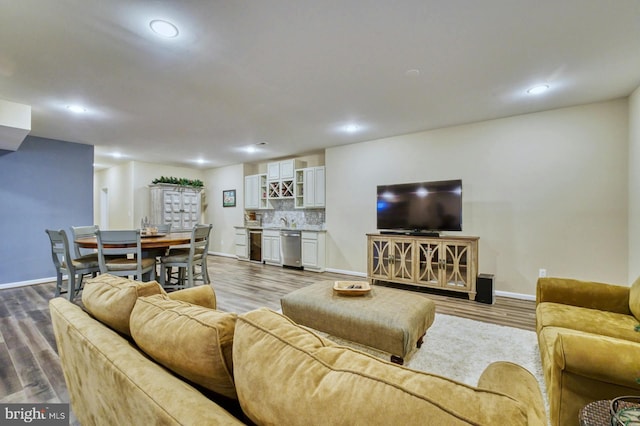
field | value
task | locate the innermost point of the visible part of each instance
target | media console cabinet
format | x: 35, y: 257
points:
x: 445, y: 263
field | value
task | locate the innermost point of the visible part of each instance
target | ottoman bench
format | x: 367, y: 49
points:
x: 391, y: 320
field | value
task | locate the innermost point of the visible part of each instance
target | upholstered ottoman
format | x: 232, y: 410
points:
x: 387, y: 319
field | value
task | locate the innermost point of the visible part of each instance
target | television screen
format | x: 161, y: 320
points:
x: 423, y: 206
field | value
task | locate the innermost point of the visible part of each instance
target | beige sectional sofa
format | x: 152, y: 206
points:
x: 174, y: 359
x: 588, y: 344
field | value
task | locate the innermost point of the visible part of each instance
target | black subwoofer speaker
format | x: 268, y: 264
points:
x: 484, y: 287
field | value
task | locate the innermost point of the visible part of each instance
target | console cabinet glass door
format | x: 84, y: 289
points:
x: 428, y: 263
x: 379, y: 259
x: 455, y: 266
x: 445, y: 263
x: 391, y: 259
x: 402, y: 261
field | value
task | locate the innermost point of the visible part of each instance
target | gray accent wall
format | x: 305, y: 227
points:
x: 45, y: 184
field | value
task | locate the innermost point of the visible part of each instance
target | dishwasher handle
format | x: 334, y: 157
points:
x: 290, y: 233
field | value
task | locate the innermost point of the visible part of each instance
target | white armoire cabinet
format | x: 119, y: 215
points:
x: 181, y: 206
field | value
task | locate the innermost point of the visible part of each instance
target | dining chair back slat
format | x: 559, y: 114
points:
x: 187, y: 259
x: 120, y: 253
x: 83, y: 232
x: 65, y: 264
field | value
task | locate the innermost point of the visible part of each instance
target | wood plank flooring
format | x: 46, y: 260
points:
x: 30, y: 369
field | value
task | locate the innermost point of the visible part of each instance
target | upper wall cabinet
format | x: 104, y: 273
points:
x: 280, y: 178
x: 255, y: 192
x: 180, y: 206
x: 310, y: 187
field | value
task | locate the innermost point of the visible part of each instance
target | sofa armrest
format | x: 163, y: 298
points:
x: 202, y: 295
x: 605, y: 359
x: 518, y: 383
x: 586, y: 294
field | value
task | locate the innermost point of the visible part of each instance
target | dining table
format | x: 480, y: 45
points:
x: 147, y: 242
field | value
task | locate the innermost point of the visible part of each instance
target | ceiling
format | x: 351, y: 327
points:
x: 294, y: 73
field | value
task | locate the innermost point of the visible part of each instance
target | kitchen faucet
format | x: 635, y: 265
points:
x: 284, y: 222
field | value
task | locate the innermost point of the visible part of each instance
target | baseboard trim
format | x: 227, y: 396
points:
x: 341, y: 271
x: 215, y: 253
x: 515, y: 295
x: 26, y: 283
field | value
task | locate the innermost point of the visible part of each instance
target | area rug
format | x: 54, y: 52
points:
x: 460, y: 349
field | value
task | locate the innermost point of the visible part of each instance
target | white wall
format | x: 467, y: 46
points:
x: 128, y: 188
x: 117, y: 181
x: 544, y: 190
x: 142, y: 176
x: 224, y: 218
x: 634, y: 185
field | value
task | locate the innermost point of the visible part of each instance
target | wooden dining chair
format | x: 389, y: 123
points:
x: 74, y: 269
x: 187, y: 259
x: 84, y: 232
x: 120, y: 253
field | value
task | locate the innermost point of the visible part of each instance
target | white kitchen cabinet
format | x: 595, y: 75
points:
x: 177, y: 205
x: 313, y: 251
x: 255, y: 192
x: 280, y: 178
x: 241, y: 243
x: 271, y: 247
x: 310, y: 187
x: 251, y: 192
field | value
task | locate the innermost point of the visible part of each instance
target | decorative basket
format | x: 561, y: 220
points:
x: 351, y: 288
x: 625, y: 410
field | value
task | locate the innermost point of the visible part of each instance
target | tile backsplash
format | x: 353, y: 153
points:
x: 302, y: 218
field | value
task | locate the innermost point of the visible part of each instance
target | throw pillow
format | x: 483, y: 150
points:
x: 110, y: 299
x: 192, y: 341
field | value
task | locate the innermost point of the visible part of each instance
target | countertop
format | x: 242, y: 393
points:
x: 306, y: 228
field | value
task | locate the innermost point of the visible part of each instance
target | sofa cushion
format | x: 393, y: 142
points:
x: 634, y: 299
x: 110, y: 299
x: 286, y: 374
x: 603, y: 323
x: 192, y: 341
x: 111, y: 382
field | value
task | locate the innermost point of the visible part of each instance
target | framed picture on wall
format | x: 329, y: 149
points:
x: 229, y: 198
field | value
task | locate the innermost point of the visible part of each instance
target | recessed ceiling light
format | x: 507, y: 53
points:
x: 164, y: 28
x: 351, y: 128
x: 76, y: 108
x: 536, y: 90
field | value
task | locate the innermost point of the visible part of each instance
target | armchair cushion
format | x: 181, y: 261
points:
x: 110, y: 299
x: 594, y: 321
x: 587, y: 294
x: 192, y: 341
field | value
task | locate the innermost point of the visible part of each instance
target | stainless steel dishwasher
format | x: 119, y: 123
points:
x: 290, y: 248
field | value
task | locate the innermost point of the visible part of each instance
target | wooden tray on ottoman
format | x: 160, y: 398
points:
x: 351, y: 288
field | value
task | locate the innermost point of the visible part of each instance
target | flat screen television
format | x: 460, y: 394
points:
x: 428, y: 207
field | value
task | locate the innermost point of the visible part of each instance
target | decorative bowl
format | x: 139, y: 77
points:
x: 351, y: 288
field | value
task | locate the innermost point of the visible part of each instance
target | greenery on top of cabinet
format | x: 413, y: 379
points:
x: 197, y: 183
